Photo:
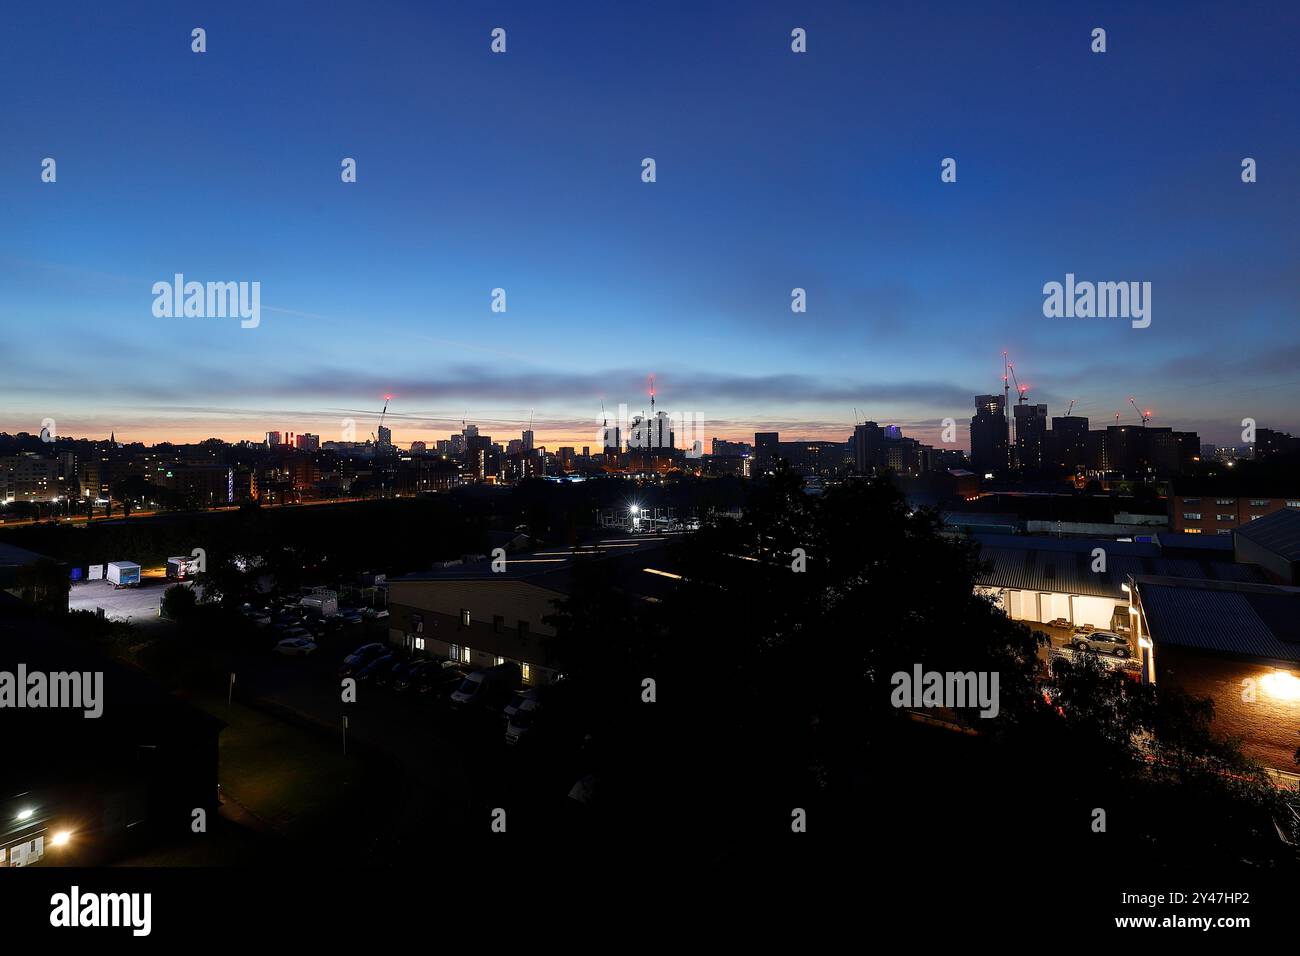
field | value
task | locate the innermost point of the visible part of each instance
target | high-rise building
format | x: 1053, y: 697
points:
x: 528, y: 440
x: 612, y: 439
x: 868, y: 447
x: 1031, y: 435
x: 385, y: 440
x: 721, y: 448
x: 29, y: 477
x: 272, y: 439
x: 1270, y: 444
x: 661, y: 432
x: 1068, y: 442
x: 308, y: 442
x: 766, y: 445
x: 988, y: 434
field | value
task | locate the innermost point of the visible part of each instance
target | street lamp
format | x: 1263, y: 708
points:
x: 60, y: 838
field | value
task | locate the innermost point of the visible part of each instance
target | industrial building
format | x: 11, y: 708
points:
x: 1039, y: 579
x: 469, y: 612
x: 1201, y: 613
x: 1235, y: 643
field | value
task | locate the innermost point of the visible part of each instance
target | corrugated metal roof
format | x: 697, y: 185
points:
x: 1045, y: 565
x: 1278, y: 532
x: 552, y: 569
x: 1193, y: 542
x: 1255, y: 622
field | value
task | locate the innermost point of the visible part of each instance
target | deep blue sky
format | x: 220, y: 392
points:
x: 522, y: 171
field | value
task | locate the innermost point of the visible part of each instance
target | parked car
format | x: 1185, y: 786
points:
x: 1058, y: 622
x: 375, y: 613
x: 361, y: 657
x: 380, y: 664
x: 521, y: 715
x: 1103, y: 642
x: 351, y: 616
x: 441, y: 682
x: 518, y: 701
x: 391, y: 675
x: 410, y: 678
x: 295, y: 647
x: 491, y: 687
x: 296, y: 633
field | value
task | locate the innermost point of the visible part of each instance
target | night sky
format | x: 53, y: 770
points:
x: 523, y: 171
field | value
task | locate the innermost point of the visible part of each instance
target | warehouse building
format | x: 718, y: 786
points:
x: 1083, y: 580
x: 1273, y: 543
x: 1236, y: 643
x: 480, y: 612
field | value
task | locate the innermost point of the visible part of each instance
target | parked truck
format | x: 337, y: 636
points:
x: 321, y: 603
x: 180, y: 568
x: 123, y: 574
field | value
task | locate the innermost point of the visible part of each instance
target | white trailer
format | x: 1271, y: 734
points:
x: 123, y: 574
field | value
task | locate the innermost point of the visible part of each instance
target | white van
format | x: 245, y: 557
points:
x: 491, y: 687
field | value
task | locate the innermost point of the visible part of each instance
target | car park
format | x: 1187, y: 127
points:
x: 361, y: 657
x: 440, y: 683
x: 383, y: 662
x: 410, y: 678
x: 295, y: 647
x: 388, y: 677
x: 1103, y: 642
x: 258, y: 616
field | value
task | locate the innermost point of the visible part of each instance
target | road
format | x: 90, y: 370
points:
x: 147, y: 513
x: 135, y: 605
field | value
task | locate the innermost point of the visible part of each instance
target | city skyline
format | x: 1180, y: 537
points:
x: 523, y: 172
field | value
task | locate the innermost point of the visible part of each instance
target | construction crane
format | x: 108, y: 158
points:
x: 1006, y: 400
x: 387, y: 399
x: 1070, y: 409
x: 1144, y: 415
x: 1022, y: 390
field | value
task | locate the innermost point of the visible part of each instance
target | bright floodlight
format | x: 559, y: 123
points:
x: 61, y: 838
x: 1282, y: 685
x: 25, y: 813
x: 635, y: 509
